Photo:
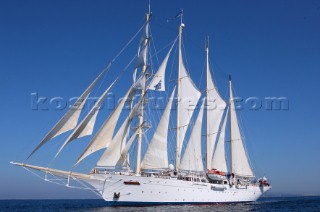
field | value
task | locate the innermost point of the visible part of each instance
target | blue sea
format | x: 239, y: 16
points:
x: 264, y: 204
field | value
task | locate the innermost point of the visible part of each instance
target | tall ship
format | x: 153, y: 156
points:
x: 200, y: 137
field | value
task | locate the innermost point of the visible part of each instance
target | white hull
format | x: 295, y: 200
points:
x: 157, y: 191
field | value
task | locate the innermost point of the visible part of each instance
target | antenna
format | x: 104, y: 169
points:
x: 207, y: 43
x: 181, y: 16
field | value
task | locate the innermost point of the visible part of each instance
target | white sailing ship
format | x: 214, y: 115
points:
x: 191, y: 180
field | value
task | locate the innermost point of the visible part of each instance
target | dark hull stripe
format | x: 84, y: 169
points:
x: 142, y: 204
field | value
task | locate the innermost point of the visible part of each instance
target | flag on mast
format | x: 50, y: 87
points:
x: 176, y: 16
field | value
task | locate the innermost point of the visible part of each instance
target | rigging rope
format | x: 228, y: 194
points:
x: 108, y: 67
x: 85, y: 187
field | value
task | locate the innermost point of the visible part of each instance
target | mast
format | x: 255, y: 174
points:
x: 178, y: 149
x: 215, y: 109
x: 230, y: 94
x: 208, y: 159
x: 143, y: 91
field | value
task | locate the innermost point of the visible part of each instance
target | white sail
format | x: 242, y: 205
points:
x: 70, y: 119
x: 111, y: 156
x: 188, y: 96
x: 125, y: 151
x: 239, y: 160
x: 192, y: 157
x: 104, y: 135
x: 114, y: 151
x: 158, y: 80
x: 215, y: 108
x: 219, y: 161
x: 156, y: 156
x: 86, y: 125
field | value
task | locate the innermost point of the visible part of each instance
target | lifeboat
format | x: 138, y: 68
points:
x: 216, y: 175
x: 264, y: 182
x: 216, y: 172
x: 131, y: 182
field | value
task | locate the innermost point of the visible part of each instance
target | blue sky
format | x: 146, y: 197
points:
x: 56, y: 48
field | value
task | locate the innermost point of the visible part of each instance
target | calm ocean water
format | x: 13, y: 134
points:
x: 264, y: 204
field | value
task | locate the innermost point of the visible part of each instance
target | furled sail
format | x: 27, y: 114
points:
x: 158, y: 80
x: 142, y: 57
x: 86, y: 125
x: 239, y: 160
x: 142, y: 53
x: 156, y: 156
x: 192, y: 157
x: 137, y: 108
x: 188, y: 96
x: 140, y: 83
x: 70, y: 119
x: 219, y: 161
x: 104, y: 135
x: 215, y: 108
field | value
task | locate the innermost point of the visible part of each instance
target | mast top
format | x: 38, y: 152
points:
x: 149, y: 13
x: 229, y: 78
x: 207, y: 43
